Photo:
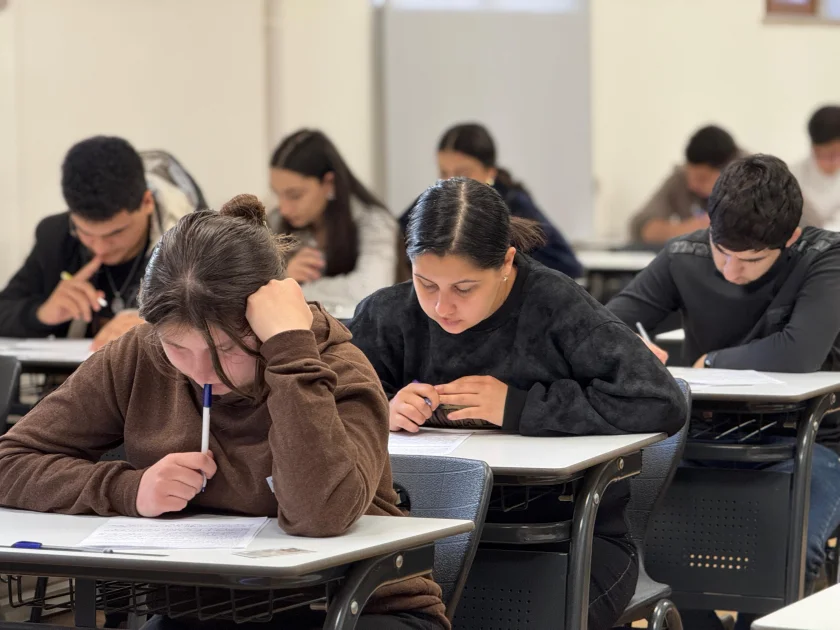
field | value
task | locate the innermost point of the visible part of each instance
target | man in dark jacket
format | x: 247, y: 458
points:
x: 81, y: 277
x: 755, y: 291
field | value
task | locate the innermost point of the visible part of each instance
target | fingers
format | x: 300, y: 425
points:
x: 465, y: 385
x: 311, y: 257
x: 86, y: 273
x: 461, y: 400
x: 424, y: 390
x: 74, y: 302
x: 398, y: 422
x: 417, y: 413
x: 468, y: 413
x: 199, y: 462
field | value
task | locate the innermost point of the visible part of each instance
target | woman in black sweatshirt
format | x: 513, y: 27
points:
x: 518, y: 345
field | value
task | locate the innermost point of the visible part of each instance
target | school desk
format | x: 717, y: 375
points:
x: 586, y: 465
x: 607, y: 272
x: 730, y: 534
x: 820, y: 611
x: 376, y: 550
x: 47, y: 355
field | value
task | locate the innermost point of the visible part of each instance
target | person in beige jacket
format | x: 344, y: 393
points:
x: 678, y: 207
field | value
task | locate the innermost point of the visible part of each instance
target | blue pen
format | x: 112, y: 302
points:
x: 28, y: 544
x: 205, y: 427
x: 427, y: 400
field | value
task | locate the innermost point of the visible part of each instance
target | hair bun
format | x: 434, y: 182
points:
x: 247, y: 207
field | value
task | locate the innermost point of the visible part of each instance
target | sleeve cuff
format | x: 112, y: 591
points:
x: 291, y: 344
x: 514, y: 404
x: 122, y: 493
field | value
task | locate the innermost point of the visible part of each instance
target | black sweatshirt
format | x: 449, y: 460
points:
x: 57, y: 250
x: 786, y: 321
x: 571, y: 367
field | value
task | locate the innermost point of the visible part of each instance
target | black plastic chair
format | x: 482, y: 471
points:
x: 9, y: 383
x: 647, y: 490
x: 446, y: 487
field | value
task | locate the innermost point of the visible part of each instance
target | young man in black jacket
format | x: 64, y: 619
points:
x: 81, y: 277
x: 755, y: 291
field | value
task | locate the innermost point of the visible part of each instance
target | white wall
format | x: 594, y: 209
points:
x: 321, y: 75
x: 186, y: 76
x: 662, y: 68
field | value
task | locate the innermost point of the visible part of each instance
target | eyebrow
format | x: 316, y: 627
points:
x: 720, y: 249
x: 111, y: 233
x: 459, y: 281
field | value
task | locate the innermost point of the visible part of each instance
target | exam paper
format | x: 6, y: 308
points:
x: 723, y: 378
x: 182, y: 533
x: 425, y: 442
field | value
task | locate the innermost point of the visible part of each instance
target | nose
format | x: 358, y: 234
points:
x: 444, y: 305
x: 732, y: 269
x: 202, y: 371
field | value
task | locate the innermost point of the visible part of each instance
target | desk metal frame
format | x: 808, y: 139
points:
x: 591, y: 488
x: 348, y: 586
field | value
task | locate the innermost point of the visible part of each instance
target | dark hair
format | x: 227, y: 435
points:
x: 711, y: 146
x: 205, y: 268
x: 474, y: 140
x: 464, y: 217
x: 755, y: 204
x: 311, y: 154
x: 824, y: 126
x: 102, y: 176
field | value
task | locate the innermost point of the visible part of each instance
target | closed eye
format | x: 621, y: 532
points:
x: 463, y: 291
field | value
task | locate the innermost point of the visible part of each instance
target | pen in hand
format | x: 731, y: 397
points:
x: 66, y: 275
x: 205, y: 427
x: 643, y: 333
x: 426, y: 399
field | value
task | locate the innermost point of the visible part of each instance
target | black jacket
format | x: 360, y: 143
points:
x: 555, y: 254
x: 786, y: 321
x: 570, y: 366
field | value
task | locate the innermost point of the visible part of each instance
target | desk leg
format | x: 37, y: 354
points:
x: 806, y: 436
x: 85, y: 598
x: 583, y: 524
x: 368, y: 575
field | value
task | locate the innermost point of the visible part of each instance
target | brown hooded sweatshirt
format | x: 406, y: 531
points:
x: 321, y: 433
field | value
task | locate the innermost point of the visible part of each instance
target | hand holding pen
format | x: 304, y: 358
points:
x: 173, y: 482
x: 73, y: 298
x: 412, y: 406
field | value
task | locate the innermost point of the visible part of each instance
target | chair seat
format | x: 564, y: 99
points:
x: 648, y: 593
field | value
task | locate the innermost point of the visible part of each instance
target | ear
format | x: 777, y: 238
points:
x: 492, y: 173
x: 328, y: 183
x: 147, y: 206
x: 794, y: 237
x: 507, y: 266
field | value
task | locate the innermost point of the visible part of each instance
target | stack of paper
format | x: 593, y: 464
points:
x: 425, y: 442
x: 182, y: 533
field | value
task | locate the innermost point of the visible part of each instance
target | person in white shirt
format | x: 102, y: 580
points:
x: 819, y: 173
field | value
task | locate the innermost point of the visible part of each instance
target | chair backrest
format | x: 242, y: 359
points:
x: 165, y: 165
x: 9, y: 381
x: 648, y: 488
x: 447, y: 487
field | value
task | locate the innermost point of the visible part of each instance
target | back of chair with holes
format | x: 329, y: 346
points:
x: 9, y: 383
x: 647, y: 489
x: 447, y: 487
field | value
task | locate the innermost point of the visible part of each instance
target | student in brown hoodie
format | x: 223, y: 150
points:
x: 295, y: 401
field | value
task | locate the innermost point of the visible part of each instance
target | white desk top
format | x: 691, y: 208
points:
x: 672, y: 335
x: 370, y: 536
x: 614, y: 261
x: 64, y: 352
x: 794, y: 388
x: 509, y: 454
x: 817, y: 612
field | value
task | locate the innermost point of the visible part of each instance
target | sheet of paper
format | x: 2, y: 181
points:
x: 723, y: 378
x: 57, y: 350
x: 183, y: 533
x: 425, y: 442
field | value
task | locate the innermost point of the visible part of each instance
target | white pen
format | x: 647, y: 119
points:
x: 643, y: 333
x: 205, y: 427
